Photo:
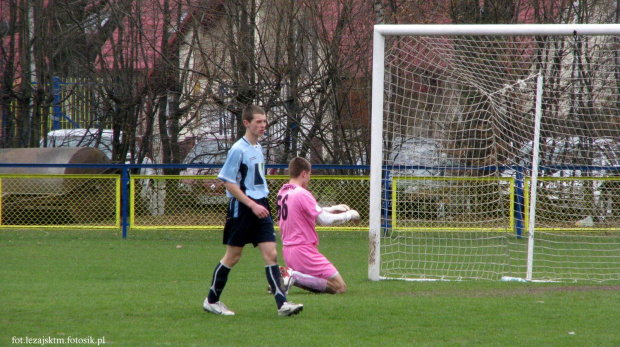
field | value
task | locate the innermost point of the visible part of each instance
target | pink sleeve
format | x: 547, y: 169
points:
x: 310, y: 205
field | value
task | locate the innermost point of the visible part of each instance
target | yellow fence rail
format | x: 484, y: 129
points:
x: 199, y: 202
x: 453, y: 203
x: 154, y: 202
x: 575, y: 203
x: 75, y: 201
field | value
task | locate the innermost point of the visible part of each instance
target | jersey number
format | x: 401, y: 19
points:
x: 282, y: 207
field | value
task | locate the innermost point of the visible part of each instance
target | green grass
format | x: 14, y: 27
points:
x: 147, y: 290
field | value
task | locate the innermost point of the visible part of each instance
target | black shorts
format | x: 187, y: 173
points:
x: 243, y: 226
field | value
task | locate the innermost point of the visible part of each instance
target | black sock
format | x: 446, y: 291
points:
x: 220, y: 277
x: 273, y: 277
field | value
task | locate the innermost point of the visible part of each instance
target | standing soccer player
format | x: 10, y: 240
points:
x: 248, y: 219
x: 298, y: 212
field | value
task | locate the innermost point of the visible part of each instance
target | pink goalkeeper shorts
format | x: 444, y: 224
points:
x: 307, y: 259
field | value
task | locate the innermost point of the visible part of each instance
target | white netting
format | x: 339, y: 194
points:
x: 458, y: 139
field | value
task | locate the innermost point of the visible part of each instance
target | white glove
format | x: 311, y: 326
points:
x: 354, y: 215
x: 337, y: 208
x: 328, y: 218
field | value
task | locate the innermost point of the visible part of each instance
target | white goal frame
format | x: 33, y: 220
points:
x: 377, y: 111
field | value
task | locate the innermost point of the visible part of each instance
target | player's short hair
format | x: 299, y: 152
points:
x: 250, y: 110
x: 297, y: 166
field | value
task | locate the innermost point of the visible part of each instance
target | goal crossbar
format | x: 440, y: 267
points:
x: 496, y: 29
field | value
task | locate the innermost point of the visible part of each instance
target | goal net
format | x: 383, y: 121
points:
x: 495, y: 152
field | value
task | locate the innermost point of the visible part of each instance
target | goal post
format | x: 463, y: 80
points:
x: 376, y: 153
x: 465, y: 120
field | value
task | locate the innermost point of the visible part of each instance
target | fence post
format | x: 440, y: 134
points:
x: 387, y: 202
x: 519, y: 185
x: 124, y: 199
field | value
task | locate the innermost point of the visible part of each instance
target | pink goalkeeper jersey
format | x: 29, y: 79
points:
x: 297, y: 212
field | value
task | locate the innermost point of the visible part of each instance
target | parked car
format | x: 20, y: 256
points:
x: 90, y: 137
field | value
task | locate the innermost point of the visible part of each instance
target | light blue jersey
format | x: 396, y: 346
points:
x: 245, y: 167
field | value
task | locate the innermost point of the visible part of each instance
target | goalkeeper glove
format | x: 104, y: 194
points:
x: 353, y: 214
x: 337, y: 208
x: 327, y: 218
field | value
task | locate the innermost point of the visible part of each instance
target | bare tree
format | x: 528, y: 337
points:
x: 295, y: 59
x: 170, y: 70
x: 140, y: 58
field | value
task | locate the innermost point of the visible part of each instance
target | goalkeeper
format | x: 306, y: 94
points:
x: 298, y: 212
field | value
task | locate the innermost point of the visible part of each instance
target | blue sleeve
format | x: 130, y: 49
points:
x: 231, y: 166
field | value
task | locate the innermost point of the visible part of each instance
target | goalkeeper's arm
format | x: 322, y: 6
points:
x: 337, y: 208
x: 327, y: 218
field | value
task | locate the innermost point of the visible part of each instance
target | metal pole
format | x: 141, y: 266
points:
x: 534, y: 179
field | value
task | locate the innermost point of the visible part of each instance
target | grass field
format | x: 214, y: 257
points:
x: 147, y: 290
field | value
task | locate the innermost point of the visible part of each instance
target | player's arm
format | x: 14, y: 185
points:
x: 259, y: 210
x: 326, y: 218
x: 337, y: 208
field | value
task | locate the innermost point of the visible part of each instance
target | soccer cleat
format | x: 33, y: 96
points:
x: 217, y: 308
x: 287, y: 279
x: 290, y: 309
